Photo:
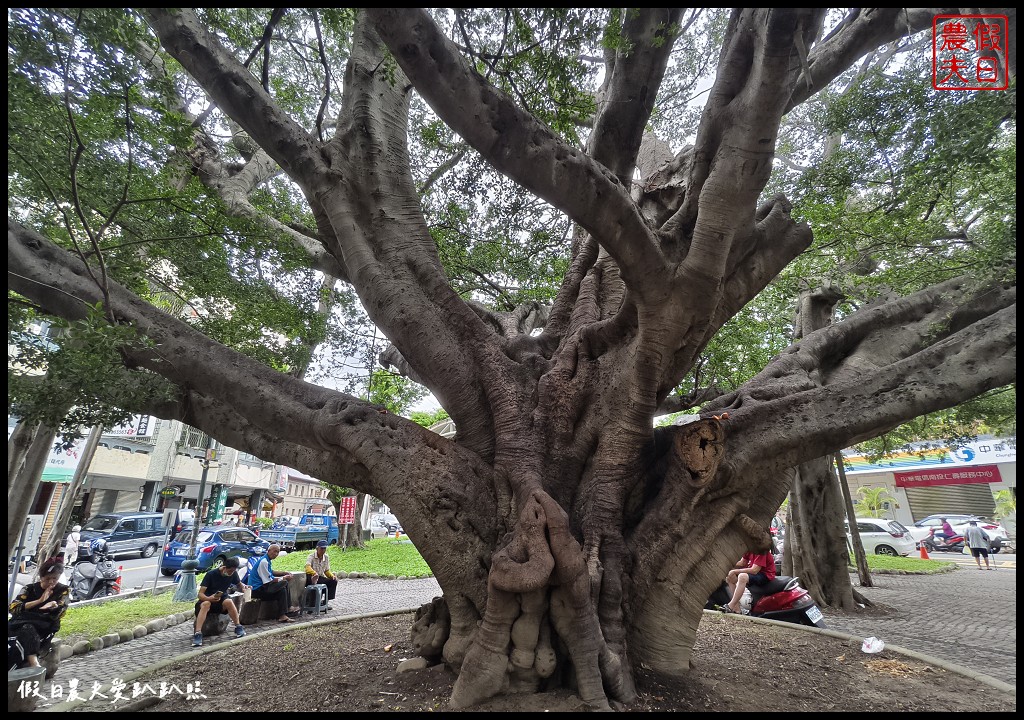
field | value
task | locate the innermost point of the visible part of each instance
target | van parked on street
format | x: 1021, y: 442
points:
x: 125, y: 533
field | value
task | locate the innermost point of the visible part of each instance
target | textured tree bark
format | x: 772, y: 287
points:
x: 27, y: 452
x: 858, y: 547
x: 820, y: 558
x: 571, y: 539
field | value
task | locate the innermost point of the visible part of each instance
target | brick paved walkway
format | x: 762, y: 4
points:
x: 967, y: 617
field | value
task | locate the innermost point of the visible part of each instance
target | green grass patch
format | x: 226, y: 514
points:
x: 88, y: 621
x: 384, y: 556
x: 916, y: 566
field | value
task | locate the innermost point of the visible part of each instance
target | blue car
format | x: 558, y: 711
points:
x: 213, y: 544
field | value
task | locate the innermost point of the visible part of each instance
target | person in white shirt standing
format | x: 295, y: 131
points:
x: 71, y: 548
x: 71, y: 551
x: 977, y: 540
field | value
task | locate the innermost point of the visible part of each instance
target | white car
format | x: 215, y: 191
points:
x: 380, y: 527
x: 998, y: 538
x: 883, y: 537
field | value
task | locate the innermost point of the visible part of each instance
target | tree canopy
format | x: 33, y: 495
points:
x: 565, y: 222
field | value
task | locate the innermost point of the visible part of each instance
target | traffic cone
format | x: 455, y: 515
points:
x: 396, y: 534
x: 924, y: 553
x: 120, y: 570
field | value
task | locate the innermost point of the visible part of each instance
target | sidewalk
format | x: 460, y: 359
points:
x: 964, y: 617
x: 354, y: 597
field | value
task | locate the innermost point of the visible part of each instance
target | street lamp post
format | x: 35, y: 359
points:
x: 187, y: 588
x: 210, y: 455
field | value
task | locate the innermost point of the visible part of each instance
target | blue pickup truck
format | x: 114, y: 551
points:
x: 310, y: 530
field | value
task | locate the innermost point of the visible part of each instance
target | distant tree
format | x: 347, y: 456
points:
x: 1006, y: 503
x: 428, y: 419
x: 871, y: 501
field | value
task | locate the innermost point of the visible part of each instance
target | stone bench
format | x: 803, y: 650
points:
x: 50, y: 659
x: 215, y: 625
x: 18, y: 681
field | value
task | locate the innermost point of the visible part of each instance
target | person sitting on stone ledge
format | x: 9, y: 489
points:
x: 318, y: 570
x: 213, y: 598
x: 272, y: 585
x: 37, y: 610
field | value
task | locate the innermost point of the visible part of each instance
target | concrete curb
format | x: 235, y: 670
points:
x: 857, y: 640
x: 98, y: 644
x: 68, y: 706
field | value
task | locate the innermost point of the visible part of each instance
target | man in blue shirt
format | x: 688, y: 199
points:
x: 271, y: 585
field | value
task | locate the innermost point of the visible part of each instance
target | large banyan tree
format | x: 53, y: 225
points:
x: 572, y: 540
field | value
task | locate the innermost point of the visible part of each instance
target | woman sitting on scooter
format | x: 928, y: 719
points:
x: 36, y: 612
x: 947, y: 531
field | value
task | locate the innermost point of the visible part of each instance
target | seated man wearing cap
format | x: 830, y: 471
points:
x: 212, y: 598
x: 318, y: 570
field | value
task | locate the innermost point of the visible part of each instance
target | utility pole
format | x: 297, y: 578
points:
x: 187, y: 590
x: 210, y: 455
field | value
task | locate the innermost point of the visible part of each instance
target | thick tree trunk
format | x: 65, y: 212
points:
x: 27, y: 453
x: 821, y: 559
x: 851, y: 516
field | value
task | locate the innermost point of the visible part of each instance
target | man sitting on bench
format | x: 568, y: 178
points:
x: 318, y: 570
x: 213, y: 598
x: 271, y: 585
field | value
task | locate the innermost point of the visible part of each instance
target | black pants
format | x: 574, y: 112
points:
x: 275, y: 592
x: 33, y: 634
x: 331, y: 583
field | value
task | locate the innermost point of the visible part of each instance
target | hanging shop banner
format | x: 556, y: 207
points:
x: 219, y: 499
x: 973, y: 475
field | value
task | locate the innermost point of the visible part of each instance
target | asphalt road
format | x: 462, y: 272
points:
x: 140, y: 572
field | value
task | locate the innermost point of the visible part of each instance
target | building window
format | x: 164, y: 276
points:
x: 193, y: 438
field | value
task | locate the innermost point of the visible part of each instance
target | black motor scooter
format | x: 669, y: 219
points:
x: 94, y: 574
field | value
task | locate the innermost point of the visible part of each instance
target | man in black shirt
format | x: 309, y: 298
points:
x: 213, y: 598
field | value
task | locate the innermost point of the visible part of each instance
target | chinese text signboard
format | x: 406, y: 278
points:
x: 218, y: 498
x: 975, y: 474
x: 969, y: 52
x: 348, y: 510
x: 138, y: 427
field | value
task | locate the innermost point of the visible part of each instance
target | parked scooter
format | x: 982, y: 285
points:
x: 94, y: 574
x: 932, y: 543
x: 780, y: 599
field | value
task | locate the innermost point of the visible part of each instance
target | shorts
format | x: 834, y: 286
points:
x: 216, y: 608
x: 758, y: 579
x: 979, y: 552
